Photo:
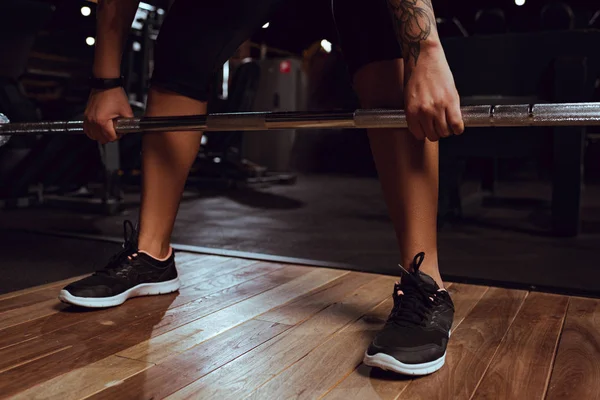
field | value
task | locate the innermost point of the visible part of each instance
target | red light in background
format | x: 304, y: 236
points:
x: 285, y: 67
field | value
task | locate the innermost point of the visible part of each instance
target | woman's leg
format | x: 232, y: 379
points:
x: 407, y: 167
x: 195, y: 38
x: 166, y: 162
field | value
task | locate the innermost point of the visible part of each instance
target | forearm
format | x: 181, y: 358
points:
x: 414, y: 22
x: 113, y: 25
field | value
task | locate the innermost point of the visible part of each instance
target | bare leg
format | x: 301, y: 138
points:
x: 407, y: 168
x: 166, y: 162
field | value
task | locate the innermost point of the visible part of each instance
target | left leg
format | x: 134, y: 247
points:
x: 407, y: 168
x: 414, y: 338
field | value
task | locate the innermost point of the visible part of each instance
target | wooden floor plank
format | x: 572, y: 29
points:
x: 51, y: 285
x: 576, y: 373
x: 244, y: 328
x: 178, y: 371
x: 70, y: 317
x: 83, y: 382
x: 243, y: 375
x: 166, y: 312
x: 29, y: 313
x: 309, y: 304
x: 531, y: 341
x: 368, y: 383
x: 372, y: 383
x: 182, y: 369
x: 200, y: 272
x: 88, y: 323
x: 187, y: 336
x: 471, y: 348
x: 465, y: 298
x: 313, y: 375
x: 30, y: 299
x: 127, y: 334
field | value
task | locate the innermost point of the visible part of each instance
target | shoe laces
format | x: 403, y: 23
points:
x: 127, y: 258
x: 413, y: 301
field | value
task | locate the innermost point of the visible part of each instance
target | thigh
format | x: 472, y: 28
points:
x: 198, y: 36
x: 379, y: 84
x: 366, y: 32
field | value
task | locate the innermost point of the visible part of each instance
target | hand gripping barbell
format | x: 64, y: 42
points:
x: 543, y: 114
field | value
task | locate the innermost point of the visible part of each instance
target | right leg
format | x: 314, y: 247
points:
x: 196, y: 37
x: 166, y: 161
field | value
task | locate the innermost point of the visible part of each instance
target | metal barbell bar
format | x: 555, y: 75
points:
x: 543, y: 114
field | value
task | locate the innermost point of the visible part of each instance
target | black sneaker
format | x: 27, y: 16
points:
x: 414, y: 338
x: 129, y: 273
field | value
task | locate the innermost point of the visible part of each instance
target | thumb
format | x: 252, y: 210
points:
x: 127, y: 112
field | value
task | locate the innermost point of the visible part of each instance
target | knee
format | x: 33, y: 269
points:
x: 380, y: 85
x: 167, y: 101
x: 381, y: 94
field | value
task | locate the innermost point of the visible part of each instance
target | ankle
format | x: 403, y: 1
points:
x: 157, y: 257
x: 155, y: 249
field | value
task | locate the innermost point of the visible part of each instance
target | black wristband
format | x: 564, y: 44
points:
x: 101, y: 83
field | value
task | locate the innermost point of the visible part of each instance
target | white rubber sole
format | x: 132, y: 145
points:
x: 144, y: 289
x: 389, y: 363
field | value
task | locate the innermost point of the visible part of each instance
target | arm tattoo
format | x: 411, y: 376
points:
x: 413, y: 22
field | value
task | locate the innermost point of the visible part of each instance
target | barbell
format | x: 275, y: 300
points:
x: 516, y: 115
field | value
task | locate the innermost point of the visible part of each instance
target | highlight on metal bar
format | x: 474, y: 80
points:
x: 492, y: 114
x: 530, y: 112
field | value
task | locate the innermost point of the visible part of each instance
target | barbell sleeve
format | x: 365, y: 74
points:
x: 518, y: 115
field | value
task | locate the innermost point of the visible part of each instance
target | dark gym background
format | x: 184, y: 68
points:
x: 518, y: 207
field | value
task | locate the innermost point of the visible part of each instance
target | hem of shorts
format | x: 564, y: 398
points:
x: 183, y: 90
x: 353, y: 68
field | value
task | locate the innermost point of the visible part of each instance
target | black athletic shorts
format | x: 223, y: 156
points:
x: 198, y: 36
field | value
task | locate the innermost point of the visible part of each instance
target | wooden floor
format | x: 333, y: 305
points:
x: 246, y: 329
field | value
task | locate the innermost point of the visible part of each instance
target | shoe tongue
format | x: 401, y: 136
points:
x: 427, y: 281
x: 420, y: 279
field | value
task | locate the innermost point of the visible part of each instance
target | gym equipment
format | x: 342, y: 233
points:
x: 222, y: 160
x: 519, y: 115
x: 3, y: 139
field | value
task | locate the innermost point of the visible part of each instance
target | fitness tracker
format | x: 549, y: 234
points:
x: 102, y: 83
